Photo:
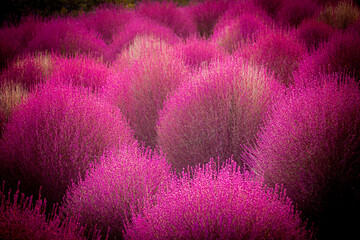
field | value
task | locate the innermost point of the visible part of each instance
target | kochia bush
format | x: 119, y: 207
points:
x: 55, y: 134
x: 215, y: 112
x: 311, y: 144
x: 124, y: 177
x: 218, y: 204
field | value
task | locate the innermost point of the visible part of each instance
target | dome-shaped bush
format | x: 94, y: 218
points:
x: 219, y: 109
x: 218, y: 205
x: 311, y: 145
x: 154, y: 70
x: 340, y: 54
x: 124, y: 177
x: 278, y: 51
x: 55, y: 134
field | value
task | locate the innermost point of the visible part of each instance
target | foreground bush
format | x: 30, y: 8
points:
x: 123, y: 178
x: 219, y: 109
x: 54, y: 135
x: 311, y: 144
x: 21, y: 219
x: 148, y: 80
x: 218, y: 204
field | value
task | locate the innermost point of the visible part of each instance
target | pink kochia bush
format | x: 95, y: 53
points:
x: 168, y: 14
x: 233, y: 33
x: 292, y: 13
x: 278, y: 51
x: 154, y: 71
x: 197, y: 52
x: 21, y: 219
x: 219, y: 109
x: 66, y: 36
x: 81, y: 71
x: 311, y: 145
x: 122, y: 179
x: 340, y: 54
x: 218, y: 204
x: 55, y: 134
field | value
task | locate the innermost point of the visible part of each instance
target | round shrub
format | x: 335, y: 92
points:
x: 215, y: 112
x: 340, y: 15
x: 311, y: 145
x: 340, y: 54
x: 313, y: 33
x: 170, y: 15
x: 67, y: 36
x: 124, y: 177
x: 278, y: 51
x: 29, y: 70
x: 138, y: 26
x: 21, y: 219
x: 238, y: 31
x: 82, y: 71
x: 198, y: 52
x: 222, y: 204
x: 148, y: 79
x: 55, y: 134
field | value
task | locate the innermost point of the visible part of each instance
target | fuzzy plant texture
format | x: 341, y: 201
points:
x: 54, y: 135
x: 23, y: 218
x: 218, y: 203
x: 311, y: 145
x: 123, y: 178
x: 148, y: 79
x: 215, y: 112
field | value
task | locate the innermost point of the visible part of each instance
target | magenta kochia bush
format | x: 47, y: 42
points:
x: 313, y: 33
x: 170, y: 15
x: 278, y: 51
x: 311, y: 145
x: 340, y: 54
x: 218, y: 204
x: 198, y: 52
x: 21, y: 219
x: 154, y: 71
x: 124, y: 177
x: 136, y: 27
x: 233, y: 33
x: 67, y: 36
x: 81, y: 71
x: 219, y: 109
x: 54, y: 135
x: 292, y: 13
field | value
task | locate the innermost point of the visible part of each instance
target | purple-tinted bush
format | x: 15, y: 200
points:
x: 270, y: 6
x: 278, y: 51
x: 197, y: 52
x: 311, y: 145
x: 232, y: 34
x: 29, y: 70
x: 226, y: 204
x: 81, y: 71
x: 340, y: 54
x: 55, y: 134
x: 136, y: 27
x: 205, y: 14
x: 219, y: 109
x: 123, y: 178
x: 313, y: 33
x: 147, y: 81
x: 292, y: 13
x: 21, y: 219
x: 170, y: 15
x: 107, y: 21
x: 67, y: 36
